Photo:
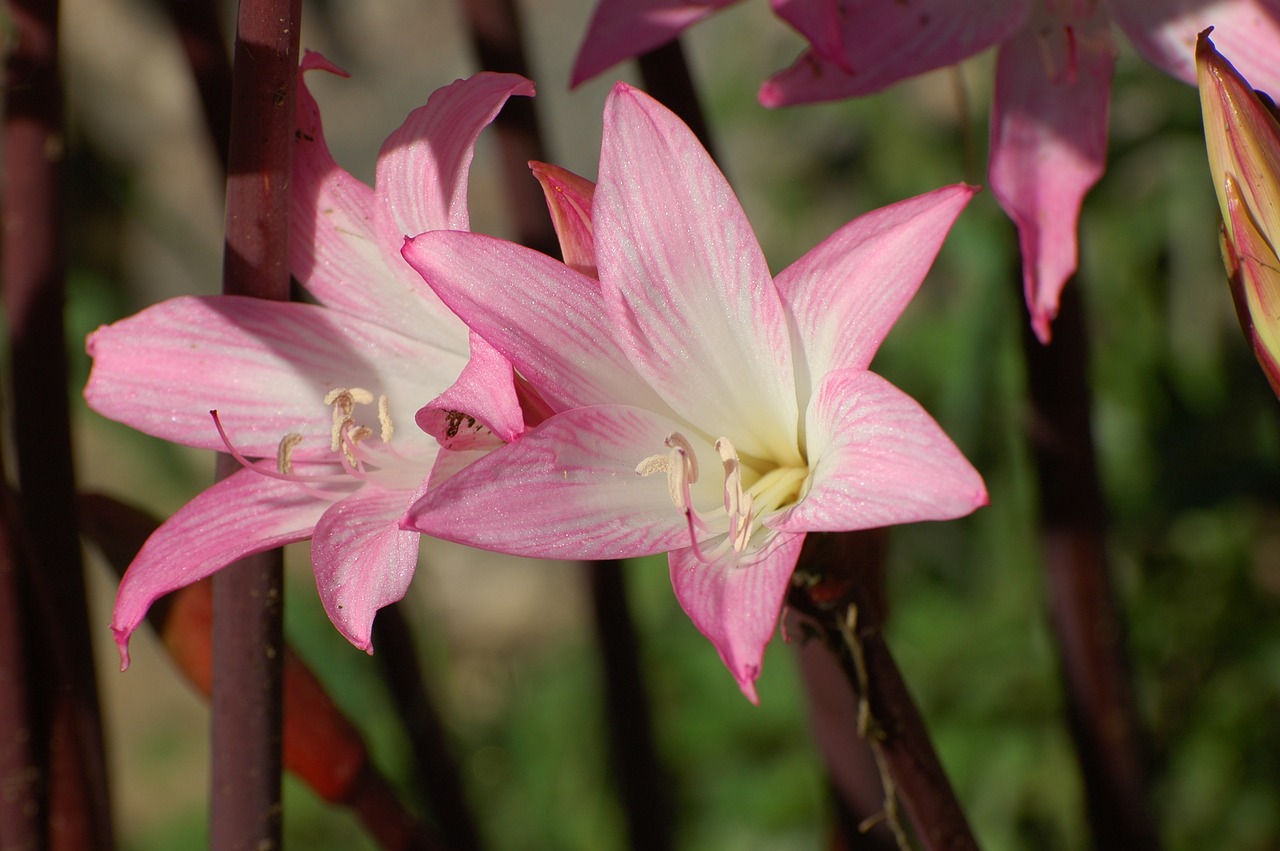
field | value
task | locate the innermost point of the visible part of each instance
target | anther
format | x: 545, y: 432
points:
x: 284, y: 452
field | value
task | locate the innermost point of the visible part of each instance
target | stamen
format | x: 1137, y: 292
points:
x: 284, y: 453
x: 384, y: 418
x: 275, y: 474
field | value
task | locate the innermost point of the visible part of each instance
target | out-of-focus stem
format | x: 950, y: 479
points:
x: 666, y: 76
x: 1086, y: 622
x: 321, y: 746
x: 247, y: 633
x: 402, y: 673
x: 642, y: 787
x: 20, y: 808
x: 837, y: 599
x: 495, y: 35
x: 66, y: 735
x: 199, y: 31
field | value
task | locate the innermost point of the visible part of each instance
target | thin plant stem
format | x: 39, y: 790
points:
x: 200, y: 33
x: 636, y: 770
x: 321, y: 745
x: 66, y: 733
x: 494, y: 26
x: 831, y: 591
x: 248, y: 657
x: 20, y: 807
x: 833, y: 703
x: 666, y: 76
x: 1086, y: 623
x: 495, y: 31
x: 437, y: 769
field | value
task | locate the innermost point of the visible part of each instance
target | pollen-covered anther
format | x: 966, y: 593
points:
x: 681, y: 466
x: 384, y: 418
x: 284, y: 452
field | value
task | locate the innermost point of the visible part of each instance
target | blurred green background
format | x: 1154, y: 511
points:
x: 1185, y: 425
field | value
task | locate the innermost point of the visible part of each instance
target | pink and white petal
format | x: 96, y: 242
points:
x: 569, y: 200
x: 480, y: 405
x: 887, y: 40
x: 878, y: 459
x: 848, y: 291
x: 243, y: 514
x: 621, y: 29
x: 688, y: 291
x: 544, y: 317
x: 1245, y: 31
x: 1049, y: 145
x: 566, y: 489
x: 363, y: 560
x: 335, y: 250
x: 735, y: 603
x: 264, y: 366
x: 423, y: 165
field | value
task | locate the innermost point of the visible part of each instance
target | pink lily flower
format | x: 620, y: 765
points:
x: 1053, y: 77
x: 323, y: 391
x: 695, y: 404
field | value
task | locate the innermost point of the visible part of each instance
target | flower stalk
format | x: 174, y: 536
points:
x: 247, y: 632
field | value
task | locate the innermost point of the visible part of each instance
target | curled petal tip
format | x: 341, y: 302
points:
x: 747, y: 682
x: 122, y: 642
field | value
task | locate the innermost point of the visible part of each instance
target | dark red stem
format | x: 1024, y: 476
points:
x: 644, y: 789
x: 1086, y: 622
x: 837, y: 599
x: 666, y: 77
x: 200, y: 33
x: 402, y: 673
x: 247, y: 633
x: 495, y: 35
x: 20, y: 806
x: 66, y: 735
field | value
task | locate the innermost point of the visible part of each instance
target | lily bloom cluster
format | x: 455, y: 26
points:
x: 1052, y: 88
x: 1243, y: 139
x: 327, y: 392
x: 657, y: 392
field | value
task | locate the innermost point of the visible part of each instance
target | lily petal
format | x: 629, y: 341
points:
x: 686, y: 284
x: 481, y: 402
x: 886, y: 41
x: 569, y: 200
x: 363, y: 560
x: 243, y: 514
x: 878, y: 459
x: 621, y: 29
x: 1049, y: 145
x: 423, y: 165
x: 1165, y: 34
x: 848, y: 291
x: 566, y: 489
x: 264, y: 366
x: 736, y: 604
x: 549, y: 328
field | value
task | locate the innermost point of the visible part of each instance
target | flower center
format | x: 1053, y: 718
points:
x: 749, y: 495
x: 346, y: 436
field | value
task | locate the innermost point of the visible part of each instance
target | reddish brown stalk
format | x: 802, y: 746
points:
x: 321, y: 746
x: 402, y: 674
x: 247, y: 634
x: 666, y: 77
x: 66, y: 741
x: 637, y: 772
x: 858, y: 794
x: 495, y: 35
x: 199, y: 31
x: 836, y: 597
x: 20, y: 805
x: 1086, y: 622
